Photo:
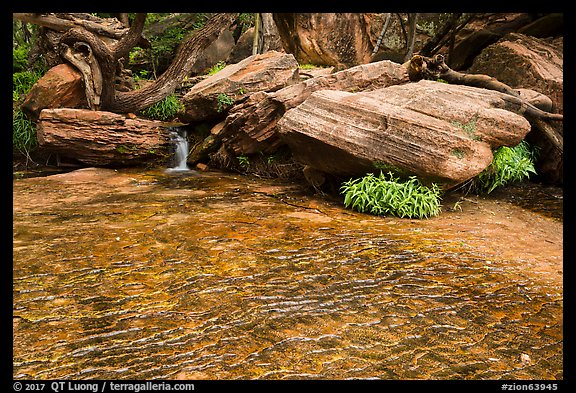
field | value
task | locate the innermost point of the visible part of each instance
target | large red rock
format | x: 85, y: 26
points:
x: 219, y: 50
x: 326, y: 38
x: 251, y: 125
x: 103, y: 138
x: 522, y: 61
x: 439, y: 132
x: 60, y: 87
x: 267, y: 72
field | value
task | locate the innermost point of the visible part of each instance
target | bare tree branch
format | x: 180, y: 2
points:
x: 382, y: 33
x: 57, y: 23
x: 420, y: 67
x: 131, y: 38
x: 412, y: 19
x: 186, y: 56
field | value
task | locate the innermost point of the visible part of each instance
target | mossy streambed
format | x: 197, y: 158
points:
x: 147, y: 275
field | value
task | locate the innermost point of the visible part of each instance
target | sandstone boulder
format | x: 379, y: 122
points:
x: 522, y: 61
x: 439, y: 132
x: 60, y: 87
x: 326, y: 38
x: 103, y: 138
x: 243, y: 47
x: 251, y: 125
x: 212, y: 97
x: 219, y: 50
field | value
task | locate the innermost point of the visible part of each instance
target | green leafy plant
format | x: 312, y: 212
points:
x: 164, y: 110
x: 23, y: 129
x: 141, y: 74
x: 224, y: 101
x: 22, y: 82
x: 19, y: 59
x: 168, y: 41
x: 165, y: 31
x: 217, y: 67
x: 23, y: 133
x: 246, y: 20
x: 509, y: 164
x: 381, y: 195
x: 244, y: 161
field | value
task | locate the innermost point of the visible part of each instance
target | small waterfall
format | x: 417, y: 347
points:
x: 178, y: 136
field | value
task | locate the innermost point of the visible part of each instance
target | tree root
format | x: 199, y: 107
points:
x: 421, y: 67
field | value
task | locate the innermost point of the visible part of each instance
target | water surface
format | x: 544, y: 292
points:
x: 148, y: 275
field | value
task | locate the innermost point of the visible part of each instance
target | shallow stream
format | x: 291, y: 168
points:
x: 148, y: 275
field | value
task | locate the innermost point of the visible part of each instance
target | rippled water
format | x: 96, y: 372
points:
x: 127, y: 275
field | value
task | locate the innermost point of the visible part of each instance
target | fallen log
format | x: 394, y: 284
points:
x: 103, y: 138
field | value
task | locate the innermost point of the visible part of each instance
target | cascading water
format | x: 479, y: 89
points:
x: 178, y: 136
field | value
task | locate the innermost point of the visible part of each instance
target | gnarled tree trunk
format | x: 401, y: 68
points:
x: 100, y: 62
x: 185, y: 58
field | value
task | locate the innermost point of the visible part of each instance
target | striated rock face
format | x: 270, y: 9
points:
x: 60, y: 87
x: 326, y: 38
x: 251, y: 126
x: 268, y: 72
x: 439, y: 132
x: 102, y: 138
x: 521, y: 61
x: 532, y: 63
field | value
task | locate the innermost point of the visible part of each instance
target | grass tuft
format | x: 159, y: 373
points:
x: 23, y: 133
x: 164, y: 110
x: 380, y: 195
x: 509, y: 165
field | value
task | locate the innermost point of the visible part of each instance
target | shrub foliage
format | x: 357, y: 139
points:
x: 164, y: 110
x: 23, y: 133
x: 510, y: 164
x: 382, y: 195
